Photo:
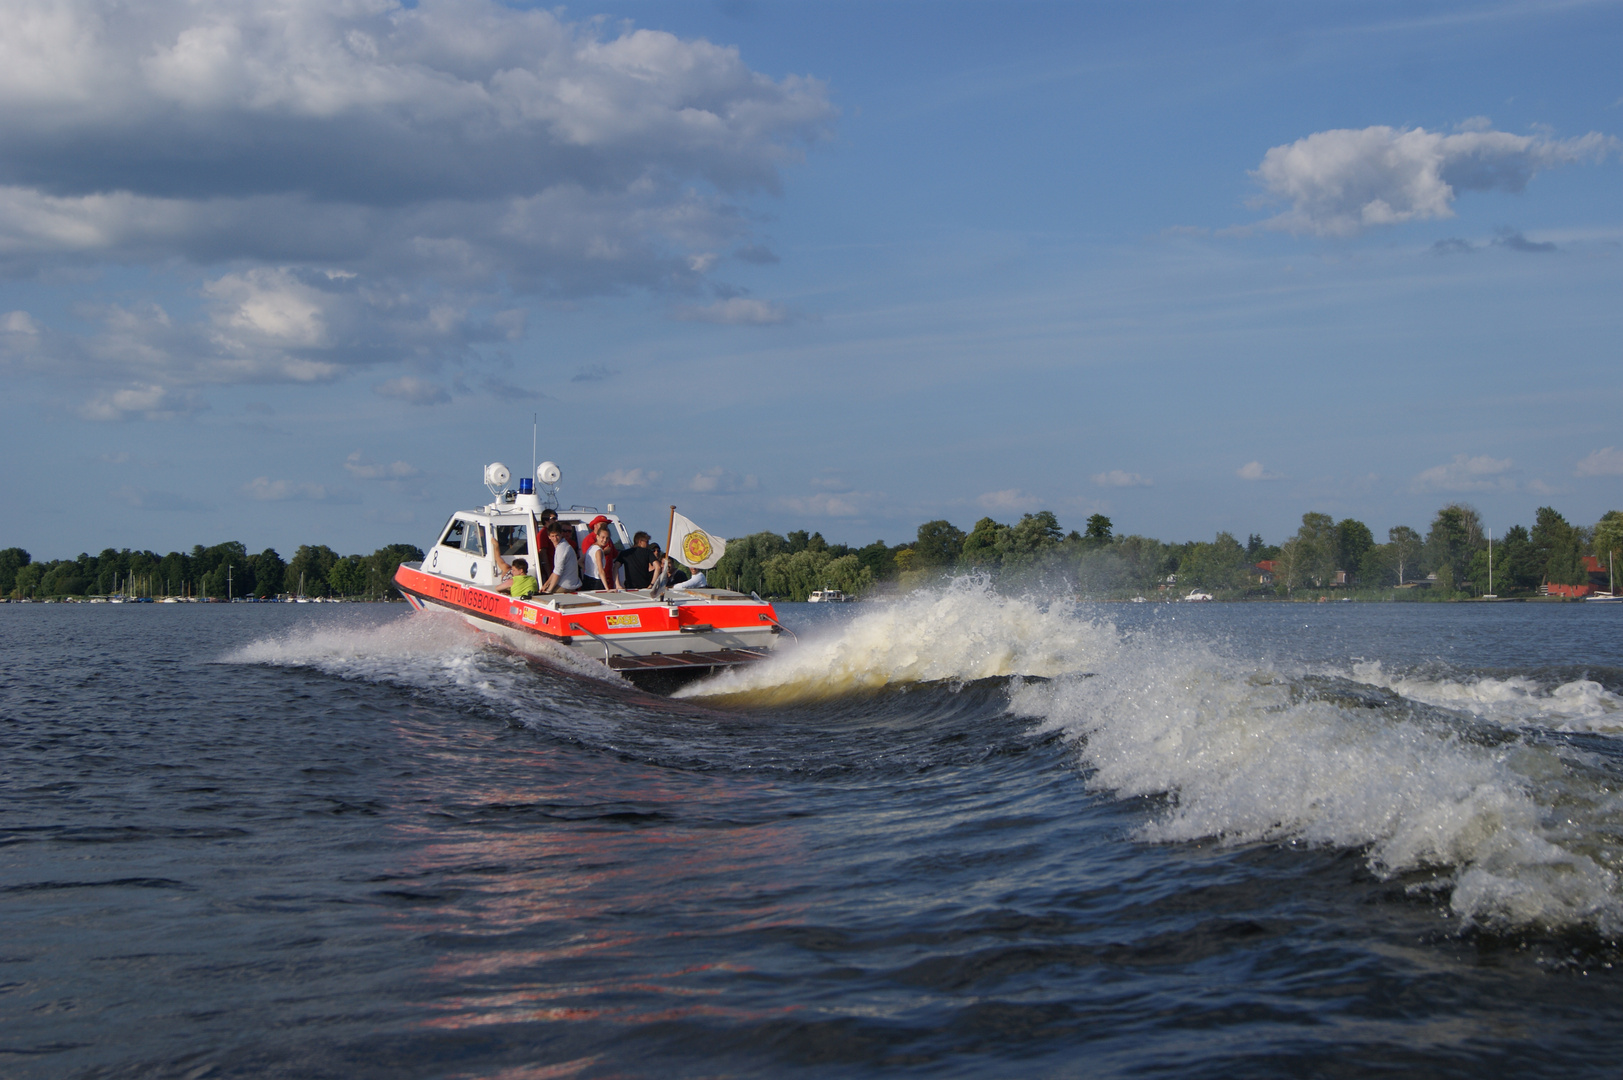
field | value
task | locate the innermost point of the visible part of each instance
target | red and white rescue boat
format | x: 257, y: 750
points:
x: 675, y: 633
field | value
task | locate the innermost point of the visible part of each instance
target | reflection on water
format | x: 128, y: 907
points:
x: 961, y: 834
x: 546, y: 879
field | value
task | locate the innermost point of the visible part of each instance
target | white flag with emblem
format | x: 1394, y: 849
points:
x: 694, y: 547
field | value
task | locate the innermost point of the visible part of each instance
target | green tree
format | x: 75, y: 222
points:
x: 63, y: 578
x: 800, y: 540
x: 982, y: 549
x: 1148, y: 560
x: 269, y: 570
x: 1515, y: 567
x: 347, y: 576
x: 939, y: 544
x: 382, y: 564
x: 11, y: 561
x: 1608, y: 540
x: 1455, y: 537
x: 742, y: 567
x: 1293, y: 568
x: 1353, y: 542
x: 1558, y: 547
x: 1030, y: 541
x: 1103, y: 570
x: 1317, y: 551
x: 308, y: 569
x: 175, y: 569
x: 796, y: 574
x: 1379, y: 566
x: 1098, y: 533
x: 879, y: 559
x: 28, y: 579
x: 1221, y: 564
x: 1406, y: 546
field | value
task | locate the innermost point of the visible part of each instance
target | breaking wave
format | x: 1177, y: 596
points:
x: 1517, y: 701
x: 1515, y: 829
x: 960, y: 632
x: 423, y: 650
x: 1496, y: 795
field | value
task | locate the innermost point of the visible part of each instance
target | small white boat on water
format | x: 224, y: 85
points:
x: 1610, y: 597
x: 1196, y: 596
x: 827, y: 596
x: 663, y: 635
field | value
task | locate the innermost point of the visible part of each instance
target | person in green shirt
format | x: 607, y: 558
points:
x: 518, y: 571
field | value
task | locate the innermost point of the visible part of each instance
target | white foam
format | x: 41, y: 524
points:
x: 1580, y: 705
x: 956, y: 632
x: 1243, y: 756
x: 425, y: 649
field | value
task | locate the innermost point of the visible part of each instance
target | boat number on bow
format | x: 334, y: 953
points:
x: 622, y: 622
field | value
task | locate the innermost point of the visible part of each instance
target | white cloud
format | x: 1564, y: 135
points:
x: 735, y: 311
x: 149, y: 402
x: 627, y: 478
x: 411, y: 389
x: 1253, y: 470
x: 719, y: 481
x: 166, y: 501
x: 1118, y: 478
x: 1607, y: 461
x: 261, y: 325
x: 1465, y: 473
x: 825, y: 504
x: 1008, y: 499
x: 19, y: 322
x: 317, y: 132
x: 362, y: 469
x: 265, y: 489
x: 1343, y: 181
x: 377, y: 182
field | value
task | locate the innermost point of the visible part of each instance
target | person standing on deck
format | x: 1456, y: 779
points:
x: 638, y: 561
x: 565, y: 575
x: 598, y: 570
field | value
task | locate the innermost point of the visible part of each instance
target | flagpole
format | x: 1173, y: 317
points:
x: 670, y: 530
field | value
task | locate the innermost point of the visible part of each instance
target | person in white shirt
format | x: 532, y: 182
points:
x: 565, y: 564
x: 697, y: 581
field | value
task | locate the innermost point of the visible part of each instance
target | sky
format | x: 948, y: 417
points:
x: 294, y: 274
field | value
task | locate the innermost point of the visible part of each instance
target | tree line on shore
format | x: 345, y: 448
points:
x: 1450, y: 560
x: 218, y: 572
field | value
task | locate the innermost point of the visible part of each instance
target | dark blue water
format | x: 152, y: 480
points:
x: 959, y: 835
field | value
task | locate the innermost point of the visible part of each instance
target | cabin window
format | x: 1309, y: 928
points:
x: 474, y: 542
x: 512, y: 540
x: 455, y: 533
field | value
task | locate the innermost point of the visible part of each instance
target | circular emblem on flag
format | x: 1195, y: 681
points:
x: 696, y: 547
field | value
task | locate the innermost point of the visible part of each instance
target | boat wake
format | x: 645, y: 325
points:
x: 424, y: 650
x: 1493, y: 795
x: 1458, y: 787
x: 961, y: 632
x: 1518, y: 701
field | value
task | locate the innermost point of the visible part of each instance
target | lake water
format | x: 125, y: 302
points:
x: 954, y: 835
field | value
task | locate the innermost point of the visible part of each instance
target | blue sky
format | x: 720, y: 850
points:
x: 296, y: 276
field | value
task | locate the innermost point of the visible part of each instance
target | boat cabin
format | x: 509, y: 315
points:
x: 467, y: 544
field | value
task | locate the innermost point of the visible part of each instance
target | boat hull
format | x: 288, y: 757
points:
x: 629, y: 632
